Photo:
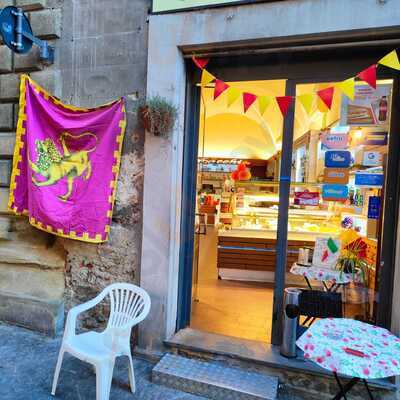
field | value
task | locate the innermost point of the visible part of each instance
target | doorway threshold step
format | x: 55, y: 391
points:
x: 213, y: 380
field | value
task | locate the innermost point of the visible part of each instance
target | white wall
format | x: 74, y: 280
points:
x: 166, y: 76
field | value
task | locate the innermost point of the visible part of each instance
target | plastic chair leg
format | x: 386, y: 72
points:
x: 57, y: 371
x: 131, y: 375
x: 104, y: 374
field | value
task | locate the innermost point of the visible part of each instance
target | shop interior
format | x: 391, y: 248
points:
x: 239, y: 157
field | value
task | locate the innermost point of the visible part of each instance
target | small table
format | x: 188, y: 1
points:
x: 352, y: 348
x: 323, y: 275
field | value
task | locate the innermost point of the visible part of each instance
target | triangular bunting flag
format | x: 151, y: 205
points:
x: 391, y: 60
x: 306, y: 101
x: 233, y: 95
x: 220, y: 87
x: 284, y: 103
x: 321, y: 106
x: 206, y: 77
x: 369, y: 75
x: 347, y: 87
x: 248, y: 100
x: 200, y: 62
x: 263, y: 103
x: 326, y: 95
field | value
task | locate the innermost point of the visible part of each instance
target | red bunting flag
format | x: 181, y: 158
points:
x: 284, y: 103
x: 220, y: 87
x: 248, y: 100
x: 369, y: 75
x: 326, y: 95
x: 200, y: 62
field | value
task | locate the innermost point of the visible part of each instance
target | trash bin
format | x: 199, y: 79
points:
x: 290, y: 321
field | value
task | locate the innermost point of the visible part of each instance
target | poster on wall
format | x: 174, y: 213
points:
x: 336, y: 175
x: 334, y: 140
x: 372, y: 159
x: 337, y: 159
x: 335, y: 192
x: 369, y: 107
x: 306, y: 198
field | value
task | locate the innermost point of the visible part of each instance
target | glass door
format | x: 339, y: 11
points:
x: 337, y: 192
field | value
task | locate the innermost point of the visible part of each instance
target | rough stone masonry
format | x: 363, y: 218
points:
x: 101, y: 54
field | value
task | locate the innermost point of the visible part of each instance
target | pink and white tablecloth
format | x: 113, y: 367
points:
x: 352, y: 348
x: 322, y: 274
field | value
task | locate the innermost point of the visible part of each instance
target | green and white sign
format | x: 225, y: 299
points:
x: 176, y: 5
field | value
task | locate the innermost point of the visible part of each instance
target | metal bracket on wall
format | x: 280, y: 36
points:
x: 18, y: 36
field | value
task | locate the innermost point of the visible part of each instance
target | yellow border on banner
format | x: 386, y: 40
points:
x: 18, y: 158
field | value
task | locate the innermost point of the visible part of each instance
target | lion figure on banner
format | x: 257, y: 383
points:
x: 55, y: 166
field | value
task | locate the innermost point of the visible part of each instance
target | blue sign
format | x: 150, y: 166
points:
x: 366, y: 179
x: 374, y: 207
x: 337, y: 159
x: 375, y: 138
x: 335, y: 192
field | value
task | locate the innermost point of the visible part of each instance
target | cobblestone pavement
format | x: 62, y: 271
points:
x: 27, y: 362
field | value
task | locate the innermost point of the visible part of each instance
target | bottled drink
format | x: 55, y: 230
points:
x: 383, y: 108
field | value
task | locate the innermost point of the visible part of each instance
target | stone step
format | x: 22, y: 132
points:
x: 213, y: 380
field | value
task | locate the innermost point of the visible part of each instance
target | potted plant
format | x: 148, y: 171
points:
x: 158, y: 116
x: 353, y: 261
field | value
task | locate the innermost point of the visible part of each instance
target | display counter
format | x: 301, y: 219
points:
x: 250, y: 255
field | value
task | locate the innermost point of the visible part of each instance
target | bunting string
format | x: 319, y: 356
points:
x: 324, y: 97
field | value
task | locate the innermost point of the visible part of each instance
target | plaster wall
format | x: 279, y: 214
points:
x: 168, y: 34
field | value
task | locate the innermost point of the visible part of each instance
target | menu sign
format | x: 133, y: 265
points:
x: 336, y: 175
x: 306, y: 198
x: 369, y: 107
x: 334, y: 140
x: 337, y: 159
x: 334, y: 192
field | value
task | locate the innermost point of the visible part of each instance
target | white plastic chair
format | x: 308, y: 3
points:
x: 129, y: 305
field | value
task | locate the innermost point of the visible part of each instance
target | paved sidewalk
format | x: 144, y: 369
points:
x: 27, y: 362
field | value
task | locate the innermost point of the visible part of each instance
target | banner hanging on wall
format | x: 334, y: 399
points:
x: 66, y: 163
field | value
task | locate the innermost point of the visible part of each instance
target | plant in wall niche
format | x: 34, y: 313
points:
x: 158, y: 116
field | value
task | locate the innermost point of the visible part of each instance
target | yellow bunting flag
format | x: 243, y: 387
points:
x: 307, y: 101
x: 391, y: 60
x: 263, y: 103
x: 233, y: 94
x: 347, y: 87
x: 206, y: 77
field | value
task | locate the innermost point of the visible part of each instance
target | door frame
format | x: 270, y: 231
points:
x: 237, y: 71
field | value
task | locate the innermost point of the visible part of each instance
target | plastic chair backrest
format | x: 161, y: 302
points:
x: 129, y: 305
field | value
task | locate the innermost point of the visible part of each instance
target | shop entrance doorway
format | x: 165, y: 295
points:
x: 260, y: 188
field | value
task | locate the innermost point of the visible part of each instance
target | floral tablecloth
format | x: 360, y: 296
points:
x: 321, y: 274
x: 352, y: 348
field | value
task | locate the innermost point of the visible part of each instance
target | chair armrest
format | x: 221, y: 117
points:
x: 70, y: 326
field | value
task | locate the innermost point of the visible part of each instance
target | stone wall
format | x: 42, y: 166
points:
x: 101, y: 54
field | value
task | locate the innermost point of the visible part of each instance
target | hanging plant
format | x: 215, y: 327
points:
x: 158, y: 116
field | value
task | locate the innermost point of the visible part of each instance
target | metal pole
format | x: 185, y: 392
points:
x: 281, y: 241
